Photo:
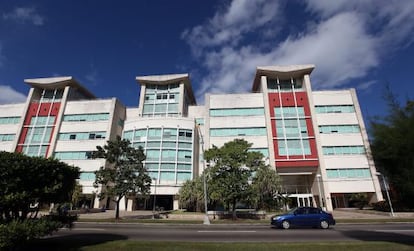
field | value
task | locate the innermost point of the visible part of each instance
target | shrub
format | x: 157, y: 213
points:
x: 16, y: 233
x: 381, y: 206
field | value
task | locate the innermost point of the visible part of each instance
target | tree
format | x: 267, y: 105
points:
x: 231, y: 170
x: 28, y: 180
x: 266, y: 186
x: 126, y: 174
x: 393, y: 147
x: 191, y: 194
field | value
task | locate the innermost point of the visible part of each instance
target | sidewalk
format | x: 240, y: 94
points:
x: 338, y: 214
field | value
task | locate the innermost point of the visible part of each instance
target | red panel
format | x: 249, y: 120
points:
x: 288, y: 100
x: 32, y: 112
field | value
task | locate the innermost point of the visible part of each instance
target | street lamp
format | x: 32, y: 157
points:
x: 318, y: 177
x: 206, y: 219
x: 155, y: 197
x: 386, y: 191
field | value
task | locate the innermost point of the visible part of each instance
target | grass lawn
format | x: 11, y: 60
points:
x: 126, y: 245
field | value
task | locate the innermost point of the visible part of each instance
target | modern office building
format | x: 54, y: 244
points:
x: 316, y: 140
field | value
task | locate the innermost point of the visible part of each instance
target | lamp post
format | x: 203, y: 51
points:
x: 318, y: 177
x: 386, y: 191
x: 155, y: 197
x: 206, y: 219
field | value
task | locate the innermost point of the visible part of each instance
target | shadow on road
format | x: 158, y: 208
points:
x: 380, y: 236
x: 71, y: 242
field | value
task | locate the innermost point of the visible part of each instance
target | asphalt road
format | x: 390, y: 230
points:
x: 393, y: 232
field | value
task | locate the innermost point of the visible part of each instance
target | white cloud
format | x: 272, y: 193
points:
x: 8, y: 95
x: 347, y: 39
x: 23, y: 15
x: 231, y: 23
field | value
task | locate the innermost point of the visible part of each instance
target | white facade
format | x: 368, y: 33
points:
x: 316, y: 140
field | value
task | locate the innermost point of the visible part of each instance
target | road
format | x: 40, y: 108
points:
x: 393, y: 232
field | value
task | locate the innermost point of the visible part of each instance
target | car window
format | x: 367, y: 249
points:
x: 314, y: 211
x: 300, y: 211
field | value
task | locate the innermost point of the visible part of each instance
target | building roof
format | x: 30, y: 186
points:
x: 58, y: 82
x: 170, y: 79
x: 281, y: 71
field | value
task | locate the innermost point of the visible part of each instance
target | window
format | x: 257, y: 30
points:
x: 291, y: 128
x: 284, y: 85
x: 7, y: 137
x: 237, y: 112
x: 199, y: 121
x: 225, y: 132
x: 348, y: 173
x: 339, y: 129
x: 343, y: 150
x: 72, y: 155
x: 86, y: 117
x: 291, y: 147
x: 289, y: 112
x: 334, y: 108
x: 9, y: 120
x: 87, y: 176
x: 82, y: 135
x: 42, y: 120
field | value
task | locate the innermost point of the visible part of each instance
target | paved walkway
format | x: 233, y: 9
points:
x: 338, y: 214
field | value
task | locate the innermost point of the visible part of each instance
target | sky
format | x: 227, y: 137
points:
x: 361, y: 44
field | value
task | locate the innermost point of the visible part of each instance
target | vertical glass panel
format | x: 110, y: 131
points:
x: 167, y: 176
x: 183, y: 176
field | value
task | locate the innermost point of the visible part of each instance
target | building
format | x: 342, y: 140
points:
x: 316, y: 140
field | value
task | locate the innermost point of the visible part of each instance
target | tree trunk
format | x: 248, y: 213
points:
x: 117, y: 209
x: 234, y: 216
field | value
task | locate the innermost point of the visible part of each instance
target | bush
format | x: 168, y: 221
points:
x: 381, y: 206
x: 15, y: 233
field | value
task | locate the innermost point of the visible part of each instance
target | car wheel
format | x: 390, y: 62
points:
x: 285, y: 224
x: 324, y: 224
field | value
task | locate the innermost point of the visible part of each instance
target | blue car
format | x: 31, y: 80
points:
x: 304, y: 217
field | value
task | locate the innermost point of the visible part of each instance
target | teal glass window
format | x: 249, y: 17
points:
x: 327, y: 129
x: 294, y: 147
x: 35, y: 150
x: 199, y: 121
x: 264, y: 151
x: 82, y: 135
x: 259, y: 111
x: 289, y: 112
x: 290, y: 128
x: 183, y: 176
x: 73, y: 155
x: 86, y: 117
x: 87, y: 176
x: 343, y: 150
x: 42, y: 120
x: 348, y: 173
x: 7, y: 137
x: 9, y: 120
x: 334, y: 108
x: 225, y: 132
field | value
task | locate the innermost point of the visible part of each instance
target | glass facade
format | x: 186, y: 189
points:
x: 292, y: 131
x: 161, y: 100
x: 284, y: 85
x: 169, y: 152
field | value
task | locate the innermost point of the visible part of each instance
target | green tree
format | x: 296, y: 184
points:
x: 28, y: 180
x: 266, y: 186
x: 231, y: 170
x: 393, y: 147
x: 191, y: 195
x: 126, y: 174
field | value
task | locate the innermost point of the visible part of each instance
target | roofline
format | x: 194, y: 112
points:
x: 169, y: 79
x: 281, y: 71
x: 58, y: 82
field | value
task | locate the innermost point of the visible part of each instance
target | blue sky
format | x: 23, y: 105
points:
x: 105, y: 44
